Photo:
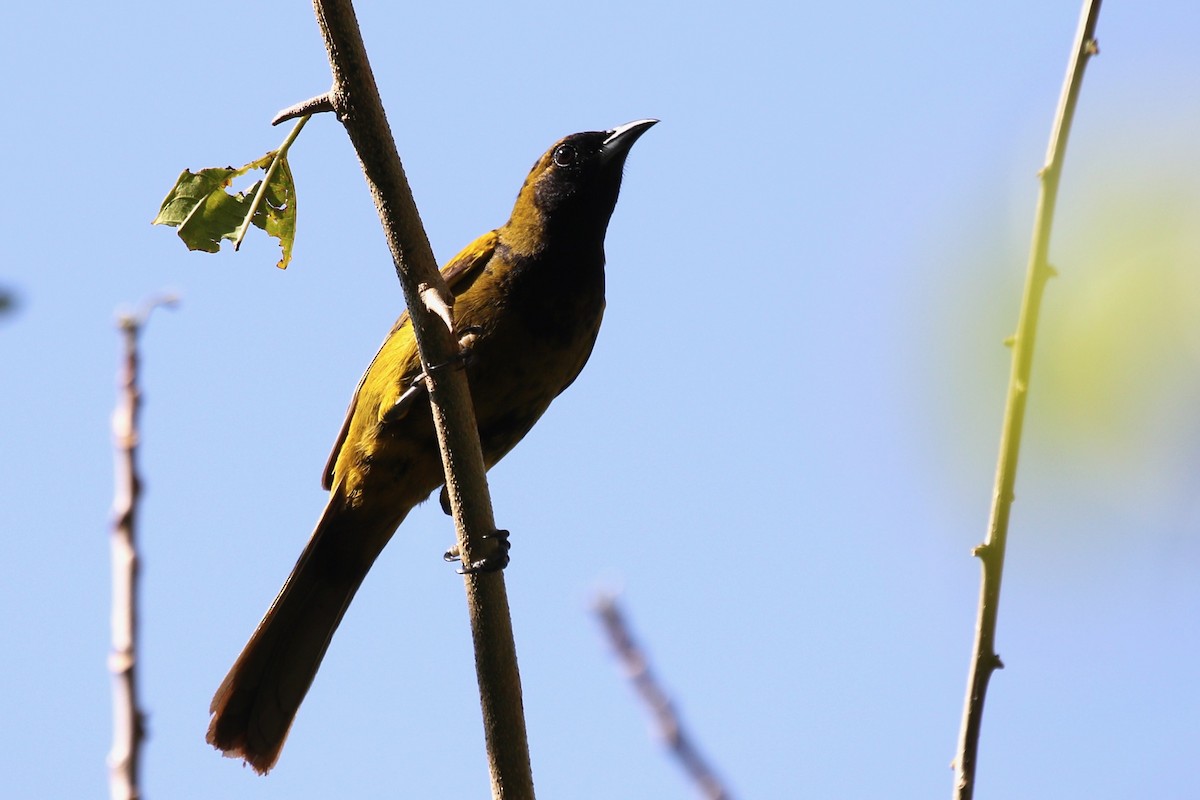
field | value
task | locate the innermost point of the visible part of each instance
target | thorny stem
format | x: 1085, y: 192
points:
x: 984, y: 660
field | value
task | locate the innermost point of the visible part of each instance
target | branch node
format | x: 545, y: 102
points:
x: 314, y: 105
x: 436, y: 302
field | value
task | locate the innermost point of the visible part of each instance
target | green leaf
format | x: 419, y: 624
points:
x: 201, y: 206
x: 190, y: 198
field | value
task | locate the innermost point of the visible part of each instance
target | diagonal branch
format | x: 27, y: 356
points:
x: 665, y: 717
x: 354, y: 96
x: 985, y: 660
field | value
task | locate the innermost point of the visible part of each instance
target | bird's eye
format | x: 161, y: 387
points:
x: 565, y: 155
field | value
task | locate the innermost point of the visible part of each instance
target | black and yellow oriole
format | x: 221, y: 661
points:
x: 532, y: 294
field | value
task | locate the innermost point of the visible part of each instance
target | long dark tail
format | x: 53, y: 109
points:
x: 256, y: 703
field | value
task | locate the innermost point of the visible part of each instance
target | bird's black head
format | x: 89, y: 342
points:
x: 573, y: 187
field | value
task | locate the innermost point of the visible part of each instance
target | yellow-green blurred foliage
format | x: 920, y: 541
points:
x: 1119, y: 351
x: 1114, y: 404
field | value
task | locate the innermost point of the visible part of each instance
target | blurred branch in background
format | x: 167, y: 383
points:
x: 8, y: 302
x: 984, y: 659
x: 128, y: 719
x: 665, y: 718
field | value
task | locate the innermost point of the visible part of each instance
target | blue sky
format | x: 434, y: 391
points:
x: 781, y: 452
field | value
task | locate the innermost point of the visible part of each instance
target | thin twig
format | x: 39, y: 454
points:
x: 984, y: 660
x: 670, y: 728
x: 129, y: 728
x: 355, y: 98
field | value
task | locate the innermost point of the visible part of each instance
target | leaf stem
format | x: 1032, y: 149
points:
x: 280, y: 154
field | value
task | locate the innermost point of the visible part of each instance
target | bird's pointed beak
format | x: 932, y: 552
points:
x: 621, y: 138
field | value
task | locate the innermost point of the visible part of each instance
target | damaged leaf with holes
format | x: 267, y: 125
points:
x: 205, y: 211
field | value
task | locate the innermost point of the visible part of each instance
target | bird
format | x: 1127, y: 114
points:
x: 528, y: 301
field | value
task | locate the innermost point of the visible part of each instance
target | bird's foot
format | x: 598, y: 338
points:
x: 493, y: 563
x: 466, y: 339
x: 417, y: 387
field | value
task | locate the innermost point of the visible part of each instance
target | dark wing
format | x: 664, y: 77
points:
x: 459, y: 274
